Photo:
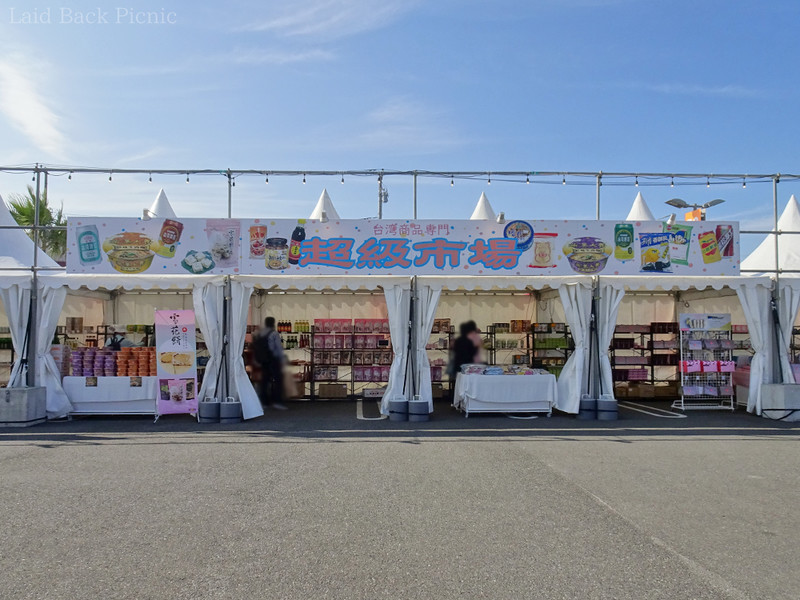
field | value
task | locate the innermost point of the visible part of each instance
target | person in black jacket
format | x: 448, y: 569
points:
x: 465, y: 349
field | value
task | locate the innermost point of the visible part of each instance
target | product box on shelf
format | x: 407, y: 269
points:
x: 332, y: 390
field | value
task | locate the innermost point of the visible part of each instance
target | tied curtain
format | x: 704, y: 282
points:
x: 577, y: 301
x: 208, y: 298
x: 398, y: 305
x: 607, y: 310
x: 17, y: 302
x: 787, y: 312
x: 756, y: 306
x: 240, y: 386
x: 424, y: 315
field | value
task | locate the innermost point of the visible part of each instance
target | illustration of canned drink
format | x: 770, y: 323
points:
x: 725, y: 240
x: 623, y: 241
x: 88, y: 244
x: 708, y: 247
x: 168, y: 238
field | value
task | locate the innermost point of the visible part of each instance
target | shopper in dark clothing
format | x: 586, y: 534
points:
x: 271, y: 358
x: 465, y: 350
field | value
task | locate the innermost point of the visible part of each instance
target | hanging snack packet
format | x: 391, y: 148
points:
x: 223, y: 241
x: 654, y: 250
x: 680, y: 237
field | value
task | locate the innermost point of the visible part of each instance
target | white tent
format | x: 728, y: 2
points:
x: 762, y: 260
x: 763, y: 257
x: 639, y: 210
x: 483, y: 210
x: 161, y: 208
x: 324, y: 204
x: 17, y: 256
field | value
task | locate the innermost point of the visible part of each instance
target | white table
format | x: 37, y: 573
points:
x: 111, y: 396
x: 505, y: 393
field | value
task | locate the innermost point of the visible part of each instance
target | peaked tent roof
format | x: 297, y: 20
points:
x: 483, y: 210
x: 16, y: 248
x: 639, y: 210
x: 161, y: 208
x: 324, y: 203
x: 763, y: 257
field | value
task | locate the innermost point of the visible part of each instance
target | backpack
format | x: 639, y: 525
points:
x: 115, y: 343
x: 261, y: 352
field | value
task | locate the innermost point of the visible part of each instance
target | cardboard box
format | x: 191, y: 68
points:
x: 437, y: 390
x: 332, y: 390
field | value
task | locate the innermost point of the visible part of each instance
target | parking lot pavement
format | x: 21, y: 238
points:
x: 314, y: 503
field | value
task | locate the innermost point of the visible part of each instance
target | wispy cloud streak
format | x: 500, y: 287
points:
x: 25, y: 107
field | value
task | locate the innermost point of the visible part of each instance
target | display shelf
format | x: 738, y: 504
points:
x: 548, y: 346
x: 706, y: 363
x: 644, y: 360
x: 504, y: 341
x: 440, y: 342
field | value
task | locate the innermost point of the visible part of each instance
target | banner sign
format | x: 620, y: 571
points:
x: 382, y: 247
x: 176, y: 359
x: 704, y: 322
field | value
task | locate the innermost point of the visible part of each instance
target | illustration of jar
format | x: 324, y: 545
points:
x: 258, y: 235
x: 277, y: 254
x: 88, y: 244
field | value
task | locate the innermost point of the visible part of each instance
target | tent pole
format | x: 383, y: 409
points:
x: 412, y: 338
x: 777, y: 367
x: 415, y: 194
x: 226, y: 308
x: 597, y: 203
x: 33, y: 315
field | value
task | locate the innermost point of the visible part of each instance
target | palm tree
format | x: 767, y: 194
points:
x: 23, y: 208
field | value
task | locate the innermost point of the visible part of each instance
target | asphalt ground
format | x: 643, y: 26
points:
x: 314, y: 503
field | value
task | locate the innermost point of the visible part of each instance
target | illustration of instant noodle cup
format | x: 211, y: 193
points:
x: 521, y: 232
x: 587, y: 255
x: 129, y: 252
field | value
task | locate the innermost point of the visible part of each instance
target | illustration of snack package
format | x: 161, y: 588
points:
x: 223, y: 241
x: 654, y: 250
x: 680, y: 237
x: 708, y: 246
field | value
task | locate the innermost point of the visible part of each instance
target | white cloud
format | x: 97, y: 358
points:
x: 684, y: 89
x: 278, y: 57
x: 331, y: 19
x: 25, y: 107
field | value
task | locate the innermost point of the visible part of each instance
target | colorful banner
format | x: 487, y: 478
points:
x: 704, y: 322
x: 381, y: 247
x: 176, y: 357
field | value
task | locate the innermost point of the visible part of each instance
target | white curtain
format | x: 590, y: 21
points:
x: 607, y: 310
x: 756, y: 306
x: 240, y: 386
x: 398, y: 304
x: 787, y: 312
x: 577, y: 301
x: 16, y: 301
x: 424, y: 314
x: 208, y: 299
x: 51, y: 302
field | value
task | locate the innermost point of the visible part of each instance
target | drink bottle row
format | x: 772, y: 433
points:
x: 299, y: 327
x: 296, y: 341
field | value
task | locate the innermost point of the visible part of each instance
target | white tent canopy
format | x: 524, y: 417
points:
x: 639, y: 210
x: 763, y: 257
x: 483, y: 210
x: 161, y: 208
x: 324, y: 204
x: 16, y: 252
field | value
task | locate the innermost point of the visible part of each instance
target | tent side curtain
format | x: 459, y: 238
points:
x: 208, y: 299
x: 16, y: 301
x: 241, y: 387
x: 788, y: 306
x: 577, y: 301
x: 756, y: 306
x: 607, y: 309
x: 398, y: 305
x: 47, y: 373
x: 424, y: 315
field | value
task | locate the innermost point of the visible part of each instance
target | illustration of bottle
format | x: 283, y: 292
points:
x: 298, y: 235
x: 623, y: 241
x: 725, y: 240
x: 88, y: 244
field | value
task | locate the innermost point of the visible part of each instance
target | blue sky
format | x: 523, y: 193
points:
x: 548, y: 85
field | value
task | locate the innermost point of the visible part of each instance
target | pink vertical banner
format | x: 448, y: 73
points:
x: 176, y: 359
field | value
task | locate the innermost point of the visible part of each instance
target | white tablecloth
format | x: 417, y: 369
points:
x: 112, y: 396
x: 505, y: 393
